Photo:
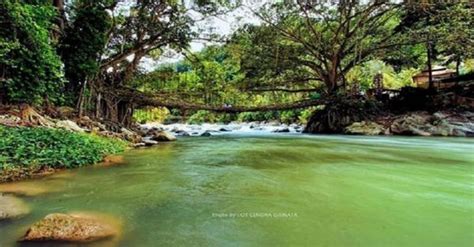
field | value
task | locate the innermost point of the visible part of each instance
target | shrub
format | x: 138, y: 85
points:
x: 202, y: 116
x: 28, y: 147
x: 146, y: 115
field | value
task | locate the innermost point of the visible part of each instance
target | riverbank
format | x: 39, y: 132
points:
x: 417, y: 123
x: 27, y: 152
x: 25, y: 156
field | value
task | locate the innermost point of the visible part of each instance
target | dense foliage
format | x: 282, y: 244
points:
x: 297, y: 51
x: 30, y: 69
x: 54, y: 148
x: 84, y: 41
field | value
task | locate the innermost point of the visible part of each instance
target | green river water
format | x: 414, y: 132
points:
x: 275, y: 190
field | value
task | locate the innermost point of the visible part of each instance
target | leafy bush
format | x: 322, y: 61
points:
x: 289, y: 116
x: 151, y: 115
x: 51, y: 147
x: 202, y: 116
x: 305, y: 115
x: 257, y: 116
x: 28, y: 59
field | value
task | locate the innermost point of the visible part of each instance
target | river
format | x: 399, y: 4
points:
x: 275, y: 190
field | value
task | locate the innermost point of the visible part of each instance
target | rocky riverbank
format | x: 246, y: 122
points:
x: 73, y: 227
x: 421, y: 123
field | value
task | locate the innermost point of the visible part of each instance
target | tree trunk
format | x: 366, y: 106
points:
x: 80, y: 100
x: 430, y: 72
x: 458, y: 64
x: 61, y: 19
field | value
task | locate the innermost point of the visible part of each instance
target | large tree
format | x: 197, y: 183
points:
x: 307, y: 45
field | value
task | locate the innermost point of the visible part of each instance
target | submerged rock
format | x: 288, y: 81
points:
x: 80, y: 227
x: 113, y: 159
x: 12, y: 207
x: 365, y: 128
x: 26, y: 188
x: 206, y: 133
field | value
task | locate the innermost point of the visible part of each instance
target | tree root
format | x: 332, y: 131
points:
x: 30, y: 117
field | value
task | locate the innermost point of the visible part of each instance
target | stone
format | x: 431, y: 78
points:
x: 26, y: 188
x: 281, y: 130
x: 140, y: 144
x: 68, y: 125
x: 182, y: 133
x: 130, y: 135
x: 79, y: 227
x: 66, y: 111
x: 222, y: 129
x: 365, y: 128
x: 412, y: 124
x: 163, y: 136
x: 149, y: 142
x: 206, y: 133
x: 12, y: 207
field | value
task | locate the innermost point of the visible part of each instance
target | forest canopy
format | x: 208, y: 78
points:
x: 95, y: 55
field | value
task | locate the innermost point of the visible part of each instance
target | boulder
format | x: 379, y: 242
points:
x: 68, y: 125
x: 66, y: 111
x: 72, y: 228
x: 130, y: 135
x: 222, y: 129
x: 12, y: 207
x: 365, y: 128
x: 412, y: 124
x: 281, y: 130
x: 163, y: 136
x: 438, y: 124
x: 140, y: 144
x: 206, y: 133
x: 182, y: 133
x: 149, y: 142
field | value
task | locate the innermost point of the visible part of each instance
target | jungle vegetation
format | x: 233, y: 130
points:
x: 89, y: 54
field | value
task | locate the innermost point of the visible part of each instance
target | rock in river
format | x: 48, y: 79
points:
x: 412, y: 124
x: 12, y: 207
x: 365, y: 128
x: 163, y: 136
x: 80, y: 227
x: 281, y: 130
x: 206, y: 133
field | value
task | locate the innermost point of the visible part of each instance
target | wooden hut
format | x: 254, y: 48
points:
x: 438, y: 73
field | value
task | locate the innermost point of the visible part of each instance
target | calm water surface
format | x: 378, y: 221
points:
x: 276, y: 190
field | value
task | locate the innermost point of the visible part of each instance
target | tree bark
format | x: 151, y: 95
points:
x: 430, y: 71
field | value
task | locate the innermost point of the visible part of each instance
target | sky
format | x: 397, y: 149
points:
x: 222, y: 25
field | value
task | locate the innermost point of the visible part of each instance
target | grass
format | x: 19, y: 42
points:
x: 23, y: 147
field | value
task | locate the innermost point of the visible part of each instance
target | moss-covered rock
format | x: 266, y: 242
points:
x: 72, y: 228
